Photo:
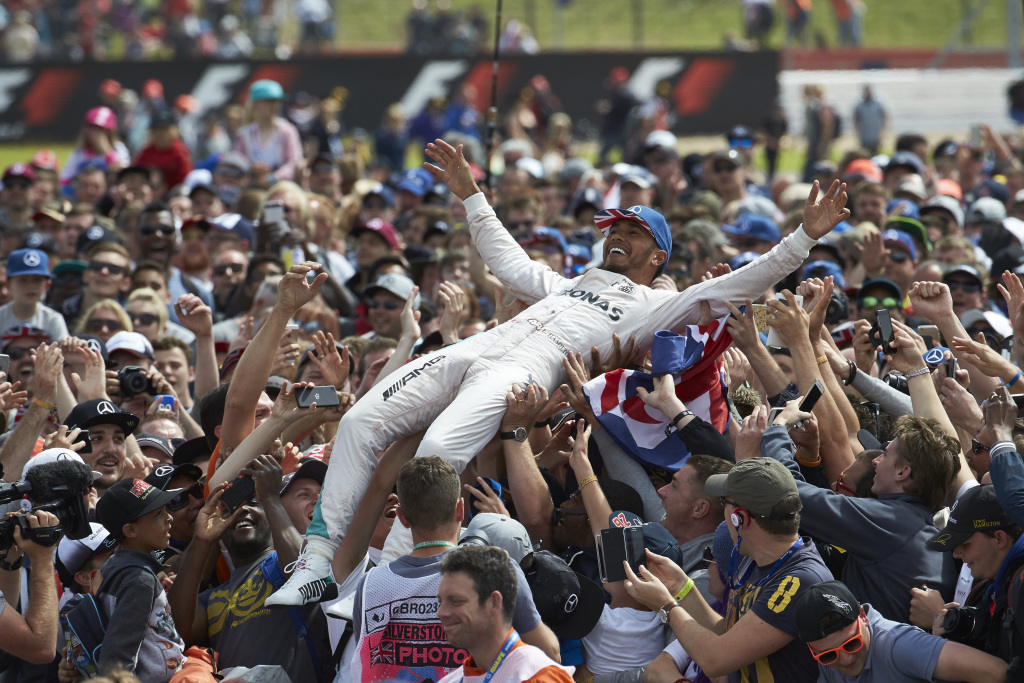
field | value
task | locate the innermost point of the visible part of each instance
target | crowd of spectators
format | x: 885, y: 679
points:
x: 176, y: 313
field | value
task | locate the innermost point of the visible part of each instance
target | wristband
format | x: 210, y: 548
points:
x: 684, y: 591
x: 589, y: 480
x: 677, y: 418
x: 822, y: 359
x: 853, y: 373
x: 43, y: 404
x: 918, y: 373
x: 801, y: 458
x: 1016, y: 378
x: 11, y: 566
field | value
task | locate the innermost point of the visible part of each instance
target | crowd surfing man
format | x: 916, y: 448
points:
x: 458, y: 394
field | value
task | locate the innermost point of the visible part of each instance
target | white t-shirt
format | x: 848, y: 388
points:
x: 624, y: 638
x: 684, y: 662
x: 45, y: 318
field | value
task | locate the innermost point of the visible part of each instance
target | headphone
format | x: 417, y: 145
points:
x: 738, y: 518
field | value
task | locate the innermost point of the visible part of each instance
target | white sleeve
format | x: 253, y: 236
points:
x: 670, y: 311
x: 527, y: 279
x: 678, y: 654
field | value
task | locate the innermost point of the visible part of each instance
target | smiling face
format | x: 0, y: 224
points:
x: 299, y: 500
x: 250, y: 535
x: 463, y: 615
x: 889, y: 472
x: 630, y: 250
x: 183, y: 524
x: 983, y: 554
x: 108, y: 454
x: 386, y: 314
x: 849, y: 664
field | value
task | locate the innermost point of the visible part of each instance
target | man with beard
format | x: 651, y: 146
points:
x: 109, y: 430
x: 158, y: 241
x: 16, y: 198
x: 232, y: 618
x: 194, y: 255
x: 458, y: 393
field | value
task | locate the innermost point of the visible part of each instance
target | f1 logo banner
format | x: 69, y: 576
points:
x: 706, y: 92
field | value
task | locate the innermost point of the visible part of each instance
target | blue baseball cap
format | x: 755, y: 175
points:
x: 645, y: 217
x: 28, y: 262
x: 904, y: 208
x: 265, y: 89
x: 743, y: 259
x: 384, y: 192
x: 414, y: 182
x: 234, y: 223
x: 823, y: 269
x: 755, y: 227
x: 901, y: 239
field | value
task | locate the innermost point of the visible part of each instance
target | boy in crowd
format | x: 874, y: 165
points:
x: 28, y: 280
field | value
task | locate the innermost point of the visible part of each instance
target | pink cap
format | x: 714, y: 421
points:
x: 949, y: 187
x: 103, y: 117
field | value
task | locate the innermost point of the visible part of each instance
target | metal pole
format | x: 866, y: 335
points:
x: 492, y: 113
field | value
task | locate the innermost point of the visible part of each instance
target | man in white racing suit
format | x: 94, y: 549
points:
x: 458, y: 394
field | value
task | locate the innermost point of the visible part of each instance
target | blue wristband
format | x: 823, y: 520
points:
x: 1016, y: 378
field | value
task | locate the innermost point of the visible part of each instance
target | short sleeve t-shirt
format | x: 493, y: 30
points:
x: 44, y: 318
x: 899, y: 653
x: 769, y: 594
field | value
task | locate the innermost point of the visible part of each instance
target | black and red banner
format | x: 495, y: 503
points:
x: 708, y: 92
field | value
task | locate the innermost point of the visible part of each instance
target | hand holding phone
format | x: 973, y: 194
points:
x: 885, y: 330
x: 323, y: 397
x: 240, y: 491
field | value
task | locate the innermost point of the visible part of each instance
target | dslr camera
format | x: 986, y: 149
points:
x: 968, y: 625
x: 133, y: 381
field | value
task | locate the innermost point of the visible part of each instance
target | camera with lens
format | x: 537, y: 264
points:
x: 133, y: 381
x: 966, y: 624
x: 898, y: 382
x: 60, y: 487
x: 838, y: 308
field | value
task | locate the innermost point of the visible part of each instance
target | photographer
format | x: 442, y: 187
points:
x: 984, y: 531
x: 33, y: 637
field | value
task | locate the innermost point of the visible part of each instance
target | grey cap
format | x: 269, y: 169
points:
x: 986, y: 210
x: 501, y: 532
x: 235, y: 160
x: 945, y: 203
x: 399, y: 285
x: 756, y: 484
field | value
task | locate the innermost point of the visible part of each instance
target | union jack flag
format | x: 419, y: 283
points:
x: 692, y: 359
x: 382, y: 653
x: 608, y: 217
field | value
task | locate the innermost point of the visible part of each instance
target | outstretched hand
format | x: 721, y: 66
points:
x: 821, y: 215
x: 452, y: 169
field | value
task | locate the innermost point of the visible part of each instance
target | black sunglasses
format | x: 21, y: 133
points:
x: 149, y: 230
x: 969, y: 287
x: 144, y: 319
x: 228, y: 269
x: 181, y: 500
x: 978, y: 447
x: 100, y: 266
x: 388, y: 305
x: 98, y: 325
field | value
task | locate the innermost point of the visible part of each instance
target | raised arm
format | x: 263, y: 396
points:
x: 529, y: 490
x: 197, y: 317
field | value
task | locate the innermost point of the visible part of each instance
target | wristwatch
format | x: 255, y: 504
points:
x: 664, y: 611
x: 517, y: 434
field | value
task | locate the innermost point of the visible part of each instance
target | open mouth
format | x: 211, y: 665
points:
x: 109, y: 463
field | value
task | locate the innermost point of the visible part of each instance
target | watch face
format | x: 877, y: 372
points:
x: 663, y: 615
x: 521, y: 433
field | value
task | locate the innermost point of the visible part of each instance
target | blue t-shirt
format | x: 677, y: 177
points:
x: 899, y: 653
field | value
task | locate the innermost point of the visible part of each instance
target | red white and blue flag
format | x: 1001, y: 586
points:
x: 692, y: 359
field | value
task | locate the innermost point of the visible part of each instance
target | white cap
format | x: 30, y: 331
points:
x: 132, y: 342
x: 999, y: 323
x: 661, y: 138
x: 200, y: 176
x: 52, y: 455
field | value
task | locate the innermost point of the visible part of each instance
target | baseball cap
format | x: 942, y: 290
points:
x: 28, y: 262
x: 902, y: 240
x: 399, y: 285
x: 103, y: 117
x: 311, y: 468
x: 740, y: 136
x: 532, y: 166
x: 126, y: 501
x: 912, y: 227
x: 945, y: 203
x: 823, y: 269
x: 999, y: 323
x: 191, y: 451
x: 70, y: 266
x: 265, y: 89
x: 23, y: 331
x: 740, y: 260
x: 902, y: 207
x: 156, y: 441
x: 868, y: 285
x: 52, y: 455
x: 986, y: 210
x: 575, y: 167
x: 754, y: 226
x: 828, y: 597
x: 45, y: 160
x: 132, y: 342
x: 96, y: 234
x: 55, y: 210
x: 162, y: 118
x: 163, y: 474
x: 542, y: 235
x: 759, y: 206
x: 865, y: 168
x: 729, y: 155
x: 100, y: 411
x: 645, y: 217
x: 383, y: 192
x: 913, y: 185
x: 502, y: 532
x: 234, y: 223
x: 756, y: 484
x: 73, y: 553
x: 235, y: 160
x: 382, y: 228
x: 19, y: 170
x: 661, y: 139
x: 905, y: 159
x: 40, y: 240
x: 638, y: 177
x: 950, y: 188
x: 965, y: 268
x: 414, y: 181
x: 978, y: 509
x: 568, y: 602
x: 96, y: 344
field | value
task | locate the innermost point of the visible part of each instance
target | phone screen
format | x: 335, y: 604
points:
x: 885, y: 328
x: 273, y: 212
x: 813, y: 394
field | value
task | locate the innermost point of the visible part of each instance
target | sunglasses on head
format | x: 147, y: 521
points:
x: 969, y: 287
x: 100, y: 324
x: 840, y: 486
x: 875, y: 302
x: 387, y: 305
x: 228, y: 269
x: 181, y: 500
x: 849, y: 647
x: 143, y: 319
x: 150, y: 230
x: 100, y: 266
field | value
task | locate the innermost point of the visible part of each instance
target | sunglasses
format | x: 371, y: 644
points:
x: 849, y: 647
x: 230, y: 171
x: 150, y: 230
x: 143, y: 319
x: 388, y: 305
x: 101, y: 324
x: 899, y: 256
x: 978, y: 447
x: 181, y: 500
x: 520, y: 225
x: 707, y: 558
x: 100, y: 266
x: 17, y: 354
x: 228, y: 269
x: 840, y: 486
x: 875, y: 302
x: 969, y: 287
x: 17, y: 183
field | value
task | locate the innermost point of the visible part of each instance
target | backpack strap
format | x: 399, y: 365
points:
x: 272, y: 572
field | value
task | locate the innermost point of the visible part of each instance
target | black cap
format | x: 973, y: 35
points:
x: 127, y: 500
x: 830, y: 597
x: 40, y: 240
x: 162, y: 118
x: 976, y: 510
x: 155, y: 441
x: 163, y: 474
x: 568, y: 602
x: 100, y: 411
x: 96, y: 234
x: 310, y: 468
x: 192, y: 450
x: 98, y: 345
